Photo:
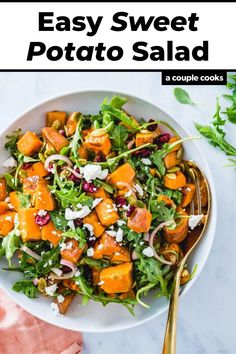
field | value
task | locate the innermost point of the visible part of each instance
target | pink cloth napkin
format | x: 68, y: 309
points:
x: 22, y: 333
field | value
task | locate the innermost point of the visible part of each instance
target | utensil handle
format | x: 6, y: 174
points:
x: 169, y: 345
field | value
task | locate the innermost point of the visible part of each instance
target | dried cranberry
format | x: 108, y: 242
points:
x: 100, y: 158
x: 89, y: 187
x: 162, y: 139
x: 62, y: 132
x: 42, y: 220
x: 120, y: 201
x: 66, y: 269
x: 88, y: 273
x: 74, y: 178
x: 142, y: 153
x: 131, y: 210
x: 152, y: 127
x: 26, y: 165
x: 91, y: 241
x: 78, y: 222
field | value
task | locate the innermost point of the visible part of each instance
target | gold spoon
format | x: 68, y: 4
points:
x: 196, y: 208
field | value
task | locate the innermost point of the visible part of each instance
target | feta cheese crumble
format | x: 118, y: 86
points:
x: 50, y: 290
x: 139, y: 189
x: 145, y: 161
x: 111, y: 233
x: 79, y: 214
x: 96, y: 201
x: 91, y: 172
x: 89, y: 227
x: 121, y: 222
x: 71, y: 224
x: 60, y: 299
x: 90, y: 252
x: 119, y: 235
x: 148, y: 252
x: 194, y: 220
x: 42, y: 212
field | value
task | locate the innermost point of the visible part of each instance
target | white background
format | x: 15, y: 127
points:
x: 19, y: 26
x: 207, y: 313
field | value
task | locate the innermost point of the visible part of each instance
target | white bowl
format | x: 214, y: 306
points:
x: 94, y: 317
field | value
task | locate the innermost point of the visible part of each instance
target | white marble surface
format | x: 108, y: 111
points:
x: 207, y: 313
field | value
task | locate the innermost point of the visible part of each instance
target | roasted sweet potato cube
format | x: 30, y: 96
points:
x: 7, y: 222
x: 70, y: 284
x: 171, y: 160
x: 43, y: 197
x: 30, y: 185
x: 56, y: 139
x: 98, y: 143
x: 172, y: 140
x: 143, y: 138
x: 92, y: 219
x: 3, y: 189
x: 30, y: 231
x: 73, y: 252
x: 63, y: 305
x: 72, y: 122
x: 117, y: 279
x: 125, y: 173
x: 29, y: 144
x: 50, y: 233
x: 3, y: 207
x: 175, y: 181
x: 106, y: 212
x: 140, y: 220
x: 188, y: 193
x: 99, y: 194
x: 37, y: 169
x: 15, y: 200
x: 82, y: 152
x: 54, y: 116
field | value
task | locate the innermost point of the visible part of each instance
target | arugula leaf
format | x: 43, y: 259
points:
x: 87, y: 291
x: 117, y: 102
x: 12, y: 139
x: 182, y: 96
x: 49, y: 260
x: 121, y: 115
x: 215, y: 134
x: 27, y: 287
x: 157, y: 159
x: 119, y: 136
x: 77, y: 137
x: 96, y: 263
x: 10, y: 181
x: 83, y: 199
x: 24, y: 200
x: 78, y: 234
x: 59, y: 220
x: 161, y: 211
x: 11, y: 243
x: 2, y: 249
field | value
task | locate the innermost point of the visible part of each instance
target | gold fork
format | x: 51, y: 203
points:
x: 197, y: 206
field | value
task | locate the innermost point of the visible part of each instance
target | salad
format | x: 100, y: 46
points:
x: 96, y: 206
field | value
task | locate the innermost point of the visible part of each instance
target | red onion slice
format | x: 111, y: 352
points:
x: 151, y: 240
x: 66, y: 275
x: 76, y: 174
x: 57, y: 157
x: 30, y: 252
x: 130, y: 144
x: 35, y: 281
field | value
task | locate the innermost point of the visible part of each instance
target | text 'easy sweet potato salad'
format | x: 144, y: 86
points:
x: 95, y: 205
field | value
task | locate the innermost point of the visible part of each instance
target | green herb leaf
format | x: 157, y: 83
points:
x: 182, y: 96
x: 12, y: 139
x: 118, y: 113
x: 120, y: 134
x: 161, y: 212
x: 11, y: 243
x: 27, y: 287
x: 59, y: 220
x: 78, y: 234
x: 48, y: 261
x: 24, y: 200
x: 10, y: 181
x: 117, y: 102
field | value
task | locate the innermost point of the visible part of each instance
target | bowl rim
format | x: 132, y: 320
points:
x: 213, y: 217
